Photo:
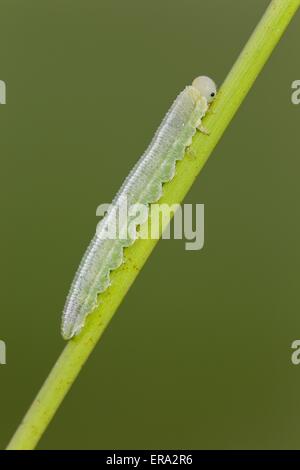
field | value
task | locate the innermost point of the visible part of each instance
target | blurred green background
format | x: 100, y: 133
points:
x: 198, y: 355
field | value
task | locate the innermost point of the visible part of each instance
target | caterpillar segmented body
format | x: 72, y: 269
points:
x: 144, y: 185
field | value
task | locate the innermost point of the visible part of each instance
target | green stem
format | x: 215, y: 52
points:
x: 229, y: 98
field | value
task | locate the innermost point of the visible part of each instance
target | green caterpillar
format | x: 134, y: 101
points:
x: 143, y: 186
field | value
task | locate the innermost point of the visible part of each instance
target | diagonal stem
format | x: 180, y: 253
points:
x: 229, y: 98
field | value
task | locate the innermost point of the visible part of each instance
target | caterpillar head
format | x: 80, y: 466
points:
x: 206, y: 86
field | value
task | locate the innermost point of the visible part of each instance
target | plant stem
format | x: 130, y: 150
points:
x: 229, y: 98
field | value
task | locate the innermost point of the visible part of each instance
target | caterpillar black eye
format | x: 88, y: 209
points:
x: 206, y: 86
